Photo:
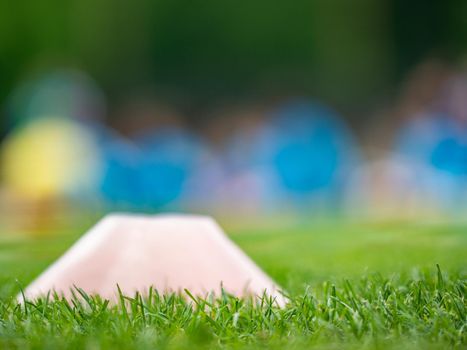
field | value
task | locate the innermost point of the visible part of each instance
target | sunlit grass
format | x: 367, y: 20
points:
x: 350, y: 286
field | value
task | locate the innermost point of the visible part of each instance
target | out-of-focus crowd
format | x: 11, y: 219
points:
x: 293, y: 154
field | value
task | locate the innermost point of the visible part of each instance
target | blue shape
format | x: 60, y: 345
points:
x: 308, y: 146
x: 450, y: 155
x: 435, y: 141
x: 169, y: 157
x: 120, y: 183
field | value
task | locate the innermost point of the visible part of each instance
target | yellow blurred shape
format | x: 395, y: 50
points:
x: 49, y: 157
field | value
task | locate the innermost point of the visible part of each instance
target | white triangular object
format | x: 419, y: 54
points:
x: 168, y: 252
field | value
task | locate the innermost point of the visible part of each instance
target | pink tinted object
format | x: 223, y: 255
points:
x: 170, y: 253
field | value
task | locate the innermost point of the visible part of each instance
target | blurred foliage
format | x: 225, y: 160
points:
x: 193, y: 52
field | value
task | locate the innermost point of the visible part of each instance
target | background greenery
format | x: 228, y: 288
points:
x: 351, y: 54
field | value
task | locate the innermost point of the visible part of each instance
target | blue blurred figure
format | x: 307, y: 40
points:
x: 120, y: 185
x: 450, y: 155
x: 150, y: 165
x: 304, y: 154
x: 435, y: 144
x: 152, y: 171
x: 169, y: 157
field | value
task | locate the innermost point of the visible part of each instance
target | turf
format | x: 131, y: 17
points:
x: 351, y: 286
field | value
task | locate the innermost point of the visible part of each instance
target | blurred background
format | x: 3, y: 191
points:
x: 263, y: 108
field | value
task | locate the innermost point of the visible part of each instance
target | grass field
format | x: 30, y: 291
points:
x: 351, y: 286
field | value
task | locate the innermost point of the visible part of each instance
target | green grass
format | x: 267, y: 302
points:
x: 351, y: 286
